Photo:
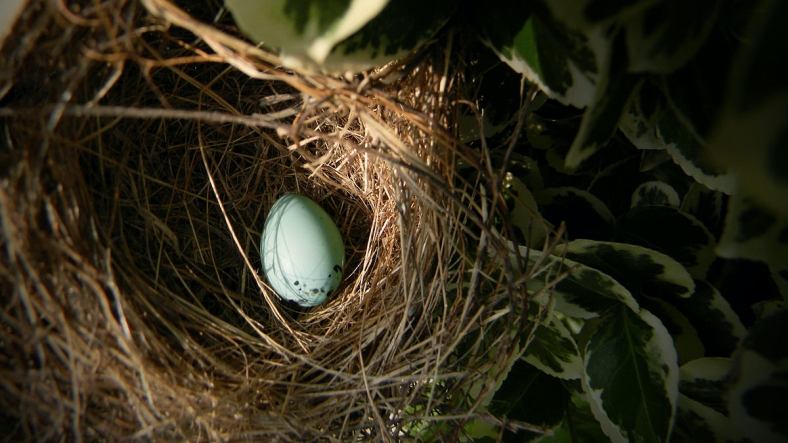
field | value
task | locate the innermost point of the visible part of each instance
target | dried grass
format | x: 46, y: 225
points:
x: 141, y: 150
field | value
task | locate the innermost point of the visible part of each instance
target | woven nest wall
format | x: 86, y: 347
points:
x: 142, y: 147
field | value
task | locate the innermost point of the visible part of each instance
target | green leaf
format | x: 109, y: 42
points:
x: 644, y: 272
x: 632, y: 376
x: 751, y: 134
x: 672, y: 232
x: 655, y: 193
x: 753, y: 231
x: 705, y: 380
x: 585, y: 215
x: 757, y: 397
x: 553, y: 351
x: 696, y: 423
x: 692, y: 155
x: 718, y: 326
x: 667, y: 34
x: 583, y: 293
x: 531, y: 396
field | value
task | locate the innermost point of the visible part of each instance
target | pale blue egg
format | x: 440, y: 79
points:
x: 302, y: 251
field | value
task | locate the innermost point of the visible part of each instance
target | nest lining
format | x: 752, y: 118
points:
x: 138, y: 181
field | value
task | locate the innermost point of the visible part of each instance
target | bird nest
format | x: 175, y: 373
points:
x: 144, y: 143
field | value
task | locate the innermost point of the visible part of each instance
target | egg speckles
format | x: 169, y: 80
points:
x: 301, y: 250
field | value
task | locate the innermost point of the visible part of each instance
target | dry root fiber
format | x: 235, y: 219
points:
x: 141, y: 149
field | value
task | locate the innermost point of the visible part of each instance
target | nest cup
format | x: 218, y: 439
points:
x: 143, y: 147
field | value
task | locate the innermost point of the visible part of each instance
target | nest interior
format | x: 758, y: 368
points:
x: 143, y: 144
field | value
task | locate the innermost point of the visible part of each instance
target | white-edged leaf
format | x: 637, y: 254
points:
x: 553, y: 351
x: 718, y: 326
x: 765, y: 308
x: 685, y: 337
x: 586, y: 216
x: 562, y: 61
x: 672, y: 232
x: 697, y: 423
x: 703, y: 204
x: 531, y: 396
x: 524, y: 216
x: 584, y: 293
x: 641, y: 115
x: 655, y: 193
x: 754, y: 231
x: 306, y: 30
x: 751, y: 134
x: 602, y: 117
x: 580, y: 425
x: 757, y: 397
x: 705, y: 380
x: 692, y: 154
x: 641, y: 270
x: 390, y: 35
x: 631, y: 376
x: 340, y: 36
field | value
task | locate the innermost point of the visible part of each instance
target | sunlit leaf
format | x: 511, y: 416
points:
x: 562, y: 61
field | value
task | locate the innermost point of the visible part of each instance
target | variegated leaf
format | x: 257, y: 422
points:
x: 561, y: 60
x: 718, y: 326
x: 677, y: 234
x: 761, y: 386
x: 655, y: 193
x: 640, y: 270
x: 585, y: 215
x: 553, y: 351
x: 754, y: 231
x: 584, y: 293
x: 705, y: 381
x: 631, y: 376
x: 697, y: 423
x: 642, y: 113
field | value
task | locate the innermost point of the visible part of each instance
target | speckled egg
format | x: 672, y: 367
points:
x: 302, y: 251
